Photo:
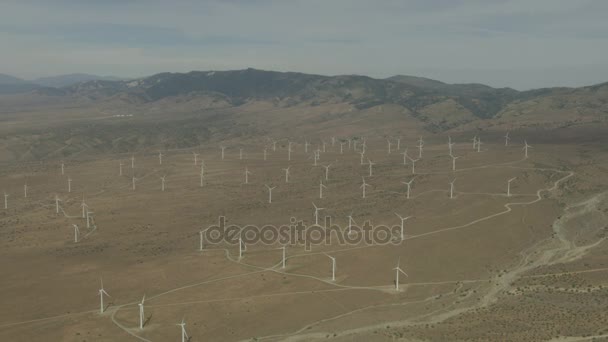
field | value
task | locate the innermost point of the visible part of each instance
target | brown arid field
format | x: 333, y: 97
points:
x: 481, y: 266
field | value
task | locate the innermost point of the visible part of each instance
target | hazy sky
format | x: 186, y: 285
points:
x: 516, y: 43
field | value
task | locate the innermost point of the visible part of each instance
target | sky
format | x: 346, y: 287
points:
x: 521, y: 44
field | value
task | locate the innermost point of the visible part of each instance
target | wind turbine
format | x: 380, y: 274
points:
x: 324, y: 146
x: 397, y: 271
x: 200, y: 240
x: 317, y: 209
x: 454, y: 163
x: 195, y: 155
x: 287, y: 174
x: 247, y: 173
x: 526, y: 147
x: 162, y: 183
x: 509, y: 186
x: 326, y: 171
x: 69, y: 184
x: 141, y: 312
x: 57, y: 200
x: 160, y: 158
x: 398, y: 143
x: 451, y: 147
x: 133, y: 183
x: 420, y: 145
x: 507, y: 138
x: 321, y: 187
x: 25, y: 190
x: 84, y: 206
x: 333, y: 267
x: 89, y: 218
x: 76, y: 232
x: 132, y: 162
x: 350, y: 222
x: 403, y: 219
x: 102, y: 292
x: 349, y: 143
x: 474, y: 142
x: 414, y: 165
x: 62, y: 168
x: 274, y: 145
x: 202, y: 176
x: 289, y: 150
x: 370, y: 166
x: 362, y: 156
x: 242, y: 247
x: 269, y: 193
x: 452, y: 188
x: 223, y: 148
x: 5, y: 200
x: 240, y: 154
x: 333, y: 141
x: 120, y: 168
x: 306, y: 144
x: 405, y: 156
x: 409, y: 186
x: 478, y: 144
x: 316, y: 156
x: 265, y: 153
x: 363, y: 187
x: 284, y: 259
x: 389, y: 145
x: 184, y: 334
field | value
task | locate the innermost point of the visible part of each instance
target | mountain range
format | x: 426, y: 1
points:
x: 13, y: 85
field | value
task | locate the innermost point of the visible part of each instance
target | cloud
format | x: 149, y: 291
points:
x: 454, y: 41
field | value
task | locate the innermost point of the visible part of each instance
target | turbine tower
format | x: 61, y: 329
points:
x: 247, y: 173
x: 509, y: 186
x: 69, y: 184
x: 269, y: 192
x: 420, y: 145
x: 363, y: 187
x: 5, y: 200
x: 507, y: 138
x: 405, y: 157
x: 120, y: 168
x: 403, y: 219
x: 370, y: 167
x: 102, y: 292
x: 160, y: 158
x: 397, y: 271
x: 141, y: 312
x: 162, y: 183
x: 76, y: 233
x: 316, y: 213
x: 321, y: 187
x: 454, y: 162
x: 326, y: 171
x: 333, y: 267
x: 57, y: 200
x: 452, y: 188
x: 223, y: 148
x: 195, y: 155
x: 287, y: 174
x: 526, y: 147
x: 409, y: 186
x: 132, y: 162
x: 184, y: 334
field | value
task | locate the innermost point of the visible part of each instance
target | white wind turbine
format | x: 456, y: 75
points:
x: 25, y: 190
x: 333, y: 141
x: 269, y: 192
x: 240, y: 154
x: 316, y: 213
x: 398, y: 143
x: 62, y: 168
x: 306, y: 144
x: 333, y: 267
x: 321, y: 187
x: 120, y: 168
x: 160, y: 158
x: 474, y: 142
x: 507, y: 138
x: 195, y: 155
x: 420, y: 146
x: 409, y: 186
x: 289, y: 150
x: 274, y: 145
x: 265, y: 153
x: 414, y: 165
x: 76, y: 233
x: 141, y: 312
x: 509, y: 186
x: 350, y: 141
x: 350, y: 222
x: 247, y: 173
x: 370, y: 167
x: 397, y: 271
x: 287, y: 174
x: 405, y: 157
x: 326, y: 171
x: 451, y: 146
x: 363, y: 187
x: 132, y: 162
x: 478, y: 144
x: 133, y: 183
x: 389, y: 145
x: 403, y: 219
x: 57, y: 200
x: 185, y: 337
x: 89, y: 218
x: 242, y: 247
x: 454, y: 163
x: 223, y: 148
x: 341, y: 147
x: 5, y: 200
x: 201, y: 233
x: 69, y: 184
x: 316, y: 156
x: 284, y: 259
x: 102, y: 292
x: 452, y: 188
x: 324, y: 150
x: 202, y: 176
x: 84, y: 207
x: 362, y: 157
x: 162, y: 183
x: 526, y: 147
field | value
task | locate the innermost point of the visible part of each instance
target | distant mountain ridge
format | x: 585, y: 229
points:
x: 13, y: 85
